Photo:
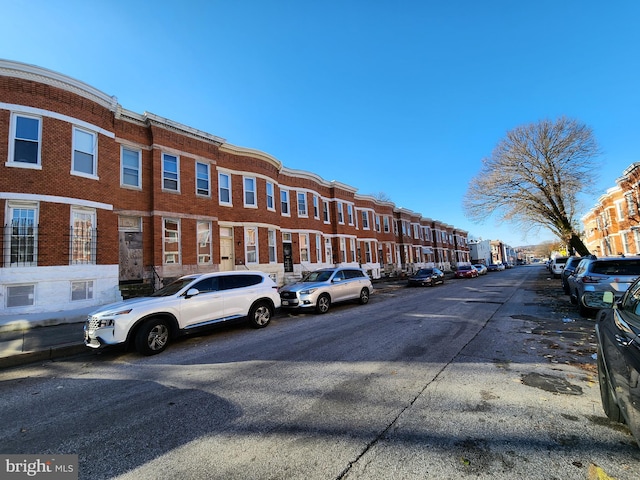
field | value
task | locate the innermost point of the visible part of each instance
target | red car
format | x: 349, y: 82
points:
x: 466, y: 271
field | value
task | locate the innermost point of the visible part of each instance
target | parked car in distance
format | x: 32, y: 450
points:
x: 617, y: 329
x: 482, y: 270
x: 495, y: 267
x: 466, y: 271
x: 557, y: 265
x: 320, y: 289
x: 426, y: 276
x: 189, y: 303
x: 569, y: 267
x: 596, y: 275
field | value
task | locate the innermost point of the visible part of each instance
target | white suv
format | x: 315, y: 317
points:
x: 190, y: 302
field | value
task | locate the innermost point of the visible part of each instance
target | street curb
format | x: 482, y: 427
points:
x: 52, y: 353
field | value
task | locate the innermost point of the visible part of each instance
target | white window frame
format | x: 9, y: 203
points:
x: 302, y: 204
x: 31, y: 295
x: 339, y: 209
x: 316, y: 210
x: 271, y: 237
x: 250, y: 189
x: 80, y: 237
x: 385, y: 223
x: 202, y: 177
x: 169, y: 176
x: 285, y: 204
x: 325, y: 212
x: 343, y: 250
x: 318, y: 248
x: 352, y: 248
x: 173, y: 256
x: 92, y: 152
x: 226, y: 189
x: 270, y: 197
x: 13, y: 135
x: 350, y: 214
x: 84, y: 286
x: 304, y: 247
x: 137, y: 168
x: 365, y: 220
x: 204, y: 244
x: 251, y: 245
x: 11, y: 209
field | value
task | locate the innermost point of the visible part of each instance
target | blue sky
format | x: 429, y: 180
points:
x: 400, y: 97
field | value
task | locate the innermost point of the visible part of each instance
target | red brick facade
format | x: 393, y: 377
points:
x: 72, y: 222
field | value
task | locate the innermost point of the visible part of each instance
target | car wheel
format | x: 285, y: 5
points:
x: 152, y: 337
x: 364, y: 296
x: 260, y: 315
x: 323, y: 303
x: 609, y: 405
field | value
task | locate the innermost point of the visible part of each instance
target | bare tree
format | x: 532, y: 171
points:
x: 534, y: 176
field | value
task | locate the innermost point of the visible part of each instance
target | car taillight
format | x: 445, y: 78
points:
x: 589, y: 279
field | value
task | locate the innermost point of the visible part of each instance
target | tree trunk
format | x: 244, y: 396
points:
x: 576, y: 243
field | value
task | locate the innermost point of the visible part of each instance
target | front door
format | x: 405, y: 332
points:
x: 226, y: 249
x: 287, y: 251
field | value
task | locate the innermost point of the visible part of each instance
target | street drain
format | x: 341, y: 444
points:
x: 550, y: 383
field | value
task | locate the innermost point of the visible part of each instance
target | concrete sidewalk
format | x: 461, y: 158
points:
x: 42, y: 336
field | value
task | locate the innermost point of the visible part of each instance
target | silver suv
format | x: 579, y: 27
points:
x: 323, y: 287
x: 596, y: 275
x: 191, y: 302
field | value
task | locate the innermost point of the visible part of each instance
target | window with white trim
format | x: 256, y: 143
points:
x: 352, y: 247
x: 318, y: 249
x: 271, y: 235
x: 224, y: 188
x: 130, y: 167
x: 251, y: 244
x: 377, y: 223
x: 284, y: 202
x: 81, y: 290
x: 367, y: 252
x: 343, y: 249
x: 25, y: 140
x: 325, y: 211
x: 204, y: 243
x: 350, y: 214
x: 21, y: 234
x: 170, y: 172
x: 316, y: 210
x: 270, y: 203
x: 302, y: 204
x: 171, y: 241
x: 385, y: 223
x: 250, y: 199
x: 20, y: 295
x: 203, y: 182
x: 83, y: 236
x: 84, y: 161
x: 365, y: 220
x: 340, y: 214
x: 328, y: 250
x: 304, y: 247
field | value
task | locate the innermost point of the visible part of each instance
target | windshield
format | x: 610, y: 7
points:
x: 321, y: 276
x: 173, y: 287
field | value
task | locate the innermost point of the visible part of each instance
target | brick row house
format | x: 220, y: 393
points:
x: 95, y: 197
x: 612, y: 226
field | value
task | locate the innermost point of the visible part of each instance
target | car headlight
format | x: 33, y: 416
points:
x: 106, y: 322
x: 308, y: 291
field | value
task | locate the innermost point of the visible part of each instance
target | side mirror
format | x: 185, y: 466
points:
x: 192, y: 292
x: 598, y: 300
